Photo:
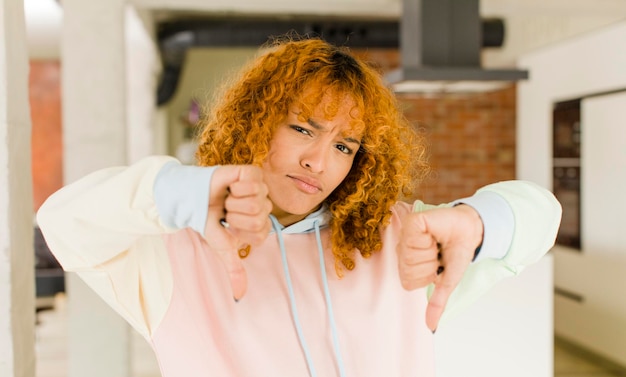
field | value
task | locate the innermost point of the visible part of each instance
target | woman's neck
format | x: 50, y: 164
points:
x: 285, y: 219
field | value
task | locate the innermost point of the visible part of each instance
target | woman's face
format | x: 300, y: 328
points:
x: 308, y: 160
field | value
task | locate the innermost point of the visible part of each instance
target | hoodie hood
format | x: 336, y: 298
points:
x: 307, y: 225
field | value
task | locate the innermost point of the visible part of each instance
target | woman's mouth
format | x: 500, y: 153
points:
x: 306, y: 184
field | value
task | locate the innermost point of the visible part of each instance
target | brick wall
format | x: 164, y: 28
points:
x: 471, y: 140
x: 46, y: 139
x: 471, y: 137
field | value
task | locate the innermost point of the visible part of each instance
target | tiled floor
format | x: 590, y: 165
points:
x: 51, y: 347
x: 52, y: 353
x: 570, y: 361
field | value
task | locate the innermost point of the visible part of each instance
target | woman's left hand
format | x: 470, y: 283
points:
x: 437, y: 246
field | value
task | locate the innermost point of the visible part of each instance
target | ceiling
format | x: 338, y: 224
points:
x: 530, y: 24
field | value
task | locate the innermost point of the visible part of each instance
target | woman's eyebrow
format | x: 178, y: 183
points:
x: 352, y: 140
x: 319, y: 127
x: 315, y: 125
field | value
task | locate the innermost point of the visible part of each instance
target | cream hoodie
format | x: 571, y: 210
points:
x: 132, y: 234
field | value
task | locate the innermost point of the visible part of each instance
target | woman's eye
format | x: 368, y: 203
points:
x: 344, y: 149
x: 301, y: 130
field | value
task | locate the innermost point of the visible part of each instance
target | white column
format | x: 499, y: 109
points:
x: 143, y: 68
x: 17, y: 286
x: 94, y: 136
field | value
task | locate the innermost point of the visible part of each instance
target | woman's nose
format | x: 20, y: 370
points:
x: 314, y: 159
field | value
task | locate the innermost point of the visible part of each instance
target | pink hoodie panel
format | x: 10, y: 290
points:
x: 381, y: 327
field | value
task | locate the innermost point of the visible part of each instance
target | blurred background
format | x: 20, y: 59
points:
x: 502, y: 89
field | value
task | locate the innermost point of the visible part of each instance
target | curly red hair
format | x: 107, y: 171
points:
x: 392, y: 155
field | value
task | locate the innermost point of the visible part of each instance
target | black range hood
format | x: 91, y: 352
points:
x: 440, y: 45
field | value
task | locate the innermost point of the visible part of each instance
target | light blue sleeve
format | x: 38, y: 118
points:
x: 498, y: 223
x: 181, y: 194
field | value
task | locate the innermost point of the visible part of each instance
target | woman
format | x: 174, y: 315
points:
x: 287, y: 251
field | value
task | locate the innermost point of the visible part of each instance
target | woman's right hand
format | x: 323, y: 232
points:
x: 238, y: 197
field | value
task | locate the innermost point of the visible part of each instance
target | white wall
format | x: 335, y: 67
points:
x: 589, y: 64
x: 508, y: 332
x: 533, y: 24
x: 571, y: 69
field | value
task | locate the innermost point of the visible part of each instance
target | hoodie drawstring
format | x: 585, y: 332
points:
x: 292, y: 300
x: 329, y: 306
